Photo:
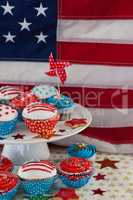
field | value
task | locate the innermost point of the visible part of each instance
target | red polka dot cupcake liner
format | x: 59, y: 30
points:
x: 45, y: 128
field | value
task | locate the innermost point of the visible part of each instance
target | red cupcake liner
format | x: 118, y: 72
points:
x: 45, y: 128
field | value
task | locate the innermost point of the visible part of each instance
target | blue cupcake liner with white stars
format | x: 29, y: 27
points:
x: 38, y: 187
x: 75, y: 183
x: 89, y: 152
x: 10, y: 194
x: 7, y: 127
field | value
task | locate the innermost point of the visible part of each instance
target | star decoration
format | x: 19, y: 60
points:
x: 41, y: 10
x: 25, y: 25
x: 66, y: 194
x: 98, y: 191
x: 99, y: 177
x: 108, y: 163
x: 57, y: 69
x: 9, y: 37
x: 18, y: 136
x: 7, y: 9
x: 41, y: 38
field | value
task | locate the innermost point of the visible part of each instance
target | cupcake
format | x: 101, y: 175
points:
x: 64, y: 104
x: 87, y: 151
x: 66, y: 194
x: 37, y: 177
x: 41, y: 118
x: 44, y: 91
x: 8, y: 120
x: 21, y: 101
x: 5, y: 164
x: 75, y: 172
x: 9, y: 184
x: 8, y: 93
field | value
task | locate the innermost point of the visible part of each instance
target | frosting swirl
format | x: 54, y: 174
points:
x: 82, y: 150
x: 7, y: 181
x: 5, y: 164
x: 75, y: 165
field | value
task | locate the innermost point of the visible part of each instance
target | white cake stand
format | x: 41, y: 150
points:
x: 24, y: 146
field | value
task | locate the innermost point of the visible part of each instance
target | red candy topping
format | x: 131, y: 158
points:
x: 75, y: 165
x: 67, y: 194
x: 7, y: 181
x: 5, y: 164
x: 23, y: 100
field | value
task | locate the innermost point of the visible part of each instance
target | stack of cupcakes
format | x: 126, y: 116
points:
x: 9, y: 184
x: 87, y: 151
x: 37, y: 177
x: 75, y: 172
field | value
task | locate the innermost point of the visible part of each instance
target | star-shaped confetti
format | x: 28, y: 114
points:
x: 108, y: 163
x: 99, y: 177
x: 7, y: 8
x: 62, y: 130
x: 98, y: 192
x: 18, y: 136
x: 66, y: 194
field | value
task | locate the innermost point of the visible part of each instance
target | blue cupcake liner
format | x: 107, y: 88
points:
x: 87, y: 153
x: 38, y: 187
x: 10, y: 194
x: 75, y: 184
x: 7, y: 127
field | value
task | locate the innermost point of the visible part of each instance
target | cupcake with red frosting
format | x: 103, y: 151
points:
x: 8, y: 120
x: 9, y: 184
x: 5, y: 164
x: 41, y: 118
x: 21, y: 101
x: 75, y: 172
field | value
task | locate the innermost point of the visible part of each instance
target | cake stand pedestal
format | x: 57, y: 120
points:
x: 22, y: 146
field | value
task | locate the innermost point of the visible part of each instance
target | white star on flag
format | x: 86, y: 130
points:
x: 41, y: 38
x: 41, y: 10
x: 25, y: 25
x: 9, y: 37
x: 7, y: 8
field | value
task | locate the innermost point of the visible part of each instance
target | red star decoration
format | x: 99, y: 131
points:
x: 99, y: 177
x: 67, y: 194
x: 108, y: 163
x: 57, y: 68
x: 18, y: 136
x: 98, y: 191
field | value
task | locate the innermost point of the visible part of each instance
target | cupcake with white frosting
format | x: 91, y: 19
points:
x: 41, y: 118
x: 37, y: 177
x: 8, y: 93
x: 8, y: 120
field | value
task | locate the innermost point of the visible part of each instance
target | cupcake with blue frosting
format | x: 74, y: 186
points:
x: 87, y: 151
x: 64, y: 105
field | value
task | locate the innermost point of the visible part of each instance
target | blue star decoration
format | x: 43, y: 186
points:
x: 28, y: 31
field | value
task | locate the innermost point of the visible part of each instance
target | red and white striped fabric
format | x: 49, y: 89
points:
x: 97, y: 37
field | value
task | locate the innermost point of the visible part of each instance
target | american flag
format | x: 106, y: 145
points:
x: 96, y: 36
